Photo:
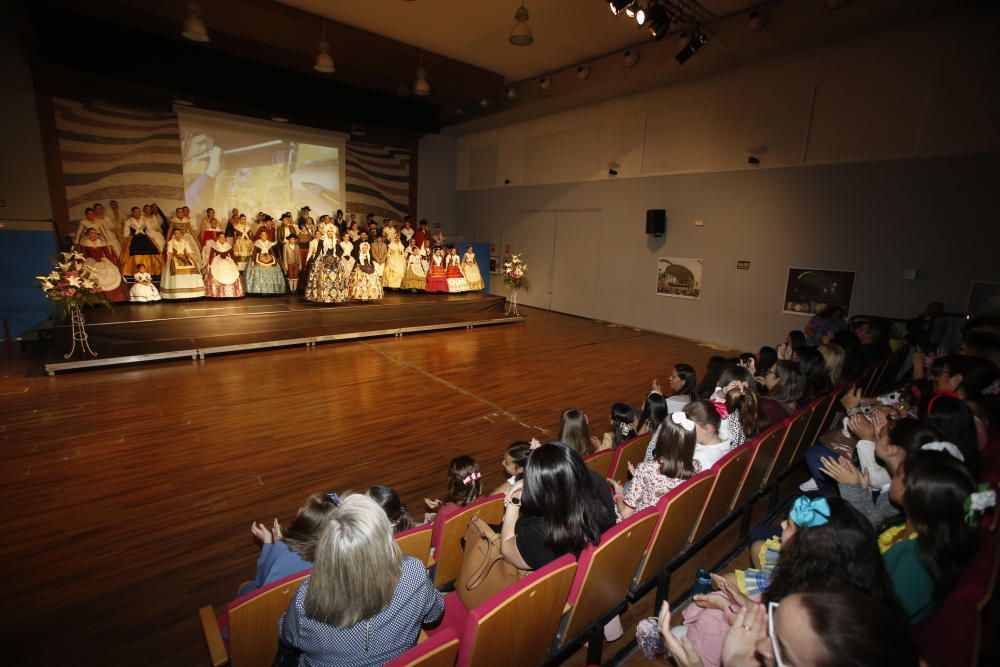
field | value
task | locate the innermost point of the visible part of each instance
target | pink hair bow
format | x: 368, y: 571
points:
x: 471, y: 477
x: 720, y: 407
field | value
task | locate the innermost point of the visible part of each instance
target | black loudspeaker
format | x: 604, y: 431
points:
x: 656, y: 221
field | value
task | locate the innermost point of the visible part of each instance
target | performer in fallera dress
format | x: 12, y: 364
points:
x: 347, y: 254
x: 327, y: 280
x: 263, y: 273
x: 211, y: 230
x: 395, y: 264
x: 143, y: 244
x: 182, y: 223
x: 242, y: 243
x: 456, y: 280
x: 415, y: 277
x: 143, y: 290
x: 437, y: 275
x: 181, y: 277
x: 103, y: 263
x: 310, y: 260
x: 364, y: 284
x: 222, y: 275
x: 103, y: 227
x: 470, y: 269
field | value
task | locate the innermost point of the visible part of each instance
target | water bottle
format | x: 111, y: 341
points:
x: 702, y: 583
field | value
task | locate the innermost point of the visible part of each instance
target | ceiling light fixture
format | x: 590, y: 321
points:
x: 545, y: 83
x: 640, y: 16
x: 194, y: 27
x: 520, y: 34
x: 420, y: 85
x: 697, y: 40
x: 632, y: 9
x: 324, y: 61
x: 583, y: 72
x: 631, y: 57
x: 658, y: 20
x: 618, y: 5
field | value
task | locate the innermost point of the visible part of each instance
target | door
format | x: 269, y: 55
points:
x: 532, y: 235
x: 575, y: 262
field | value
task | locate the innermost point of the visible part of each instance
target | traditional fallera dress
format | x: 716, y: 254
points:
x: 292, y: 261
x: 242, y: 245
x: 263, y: 273
x: 103, y: 263
x: 437, y: 275
x: 347, y: 256
x: 380, y: 252
x: 143, y: 245
x: 456, y: 281
x: 395, y: 265
x: 415, y: 276
x: 312, y: 254
x: 472, y: 273
x: 181, y: 277
x: 104, y: 231
x: 222, y: 275
x: 143, y: 290
x: 364, y: 284
x: 327, y: 280
x: 210, y: 232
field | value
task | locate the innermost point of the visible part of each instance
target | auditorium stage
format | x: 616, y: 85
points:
x: 134, y: 333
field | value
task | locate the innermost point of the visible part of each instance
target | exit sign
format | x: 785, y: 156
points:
x: 743, y: 265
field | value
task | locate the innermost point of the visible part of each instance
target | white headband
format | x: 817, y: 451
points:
x: 681, y: 419
x: 945, y: 447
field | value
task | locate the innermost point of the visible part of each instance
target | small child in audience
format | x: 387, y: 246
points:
x: 465, y: 486
x: 707, y: 423
x: 623, y: 421
x: 514, y: 460
x: 392, y: 504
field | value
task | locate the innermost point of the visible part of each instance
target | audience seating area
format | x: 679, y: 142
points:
x: 555, y: 610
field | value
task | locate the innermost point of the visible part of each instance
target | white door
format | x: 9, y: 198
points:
x: 532, y: 235
x: 575, y: 262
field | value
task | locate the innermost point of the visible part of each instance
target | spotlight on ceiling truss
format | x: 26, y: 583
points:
x: 694, y: 45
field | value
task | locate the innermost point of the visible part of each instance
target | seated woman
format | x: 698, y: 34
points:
x: 263, y: 274
x: 103, y: 264
x: 654, y: 411
x: 283, y: 554
x: 682, y: 383
x: 711, y: 445
x: 392, y: 504
x: 514, y: 460
x: 465, y: 486
x: 555, y: 510
x: 672, y: 465
x: 785, y: 384
x: 364, y: 603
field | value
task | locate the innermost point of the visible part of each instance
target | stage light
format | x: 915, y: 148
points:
x: 520, y: 34
x: 618, y: 5
x: 324, y: 61
x: 640, y: 16
x: 420, y: 85
x: 697, y: 40
x: 658, y: 20
x: 631, y: 9
x: 194, y: 27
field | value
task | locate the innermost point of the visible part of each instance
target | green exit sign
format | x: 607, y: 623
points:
x: 743, y: 265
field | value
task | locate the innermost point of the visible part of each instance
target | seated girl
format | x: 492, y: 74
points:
x: 514, y: 460
x: 623, y: 421
x: 284, y: 553
x: 673, y: 464
x: 573, y: 431
x: 465, y: 486
x: 707, y: 422
x: 393, y: 506
x: 654, y: 411
x: 737, y: 394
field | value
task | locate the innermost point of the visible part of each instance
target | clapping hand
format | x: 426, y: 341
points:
x: 749, y: 626
x: 656, y: 387
x: 730, y: 591
x: 276, y: 530
x: 433, y: 505
x: 535, y: 443
x: 851, y: 398
x: 261, y: 532
x: 861, y: 426
x: 681, y: 651
x: 843, y: 471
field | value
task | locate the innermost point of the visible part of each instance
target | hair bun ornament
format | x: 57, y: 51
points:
x: 809, y: 512
x: 471, y: 477
x: 681, y: 419
x: 978, y: 502
x: 945, y: 447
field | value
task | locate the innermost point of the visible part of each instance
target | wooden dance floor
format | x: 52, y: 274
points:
x: 128, y: 492
x: 133, y: 333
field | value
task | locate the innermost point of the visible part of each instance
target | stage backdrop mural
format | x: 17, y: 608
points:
x: 111, y: 152
x: 808, y: 290
x: 679, y: 277
x: 378, y: 180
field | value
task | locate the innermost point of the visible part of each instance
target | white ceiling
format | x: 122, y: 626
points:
x: 567, y: 32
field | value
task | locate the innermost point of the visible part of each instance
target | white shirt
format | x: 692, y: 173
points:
x: 709, y: 455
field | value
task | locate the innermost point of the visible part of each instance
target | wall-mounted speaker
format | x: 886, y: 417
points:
x: 656, y: 221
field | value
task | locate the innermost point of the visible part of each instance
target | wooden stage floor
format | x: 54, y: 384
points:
x: 128, y: 492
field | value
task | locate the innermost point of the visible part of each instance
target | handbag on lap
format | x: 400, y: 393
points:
x: 484, y: 571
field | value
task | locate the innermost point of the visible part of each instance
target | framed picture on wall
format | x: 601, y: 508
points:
x: 984, y: 299
x: 807, y: 291
x: 679, y: 277
x: 493, y: 265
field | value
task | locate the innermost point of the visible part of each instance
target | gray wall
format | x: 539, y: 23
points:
x: 936, y: 215
x: 436, y: 165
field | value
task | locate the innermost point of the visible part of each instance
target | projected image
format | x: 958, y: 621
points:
x: 229, y: 166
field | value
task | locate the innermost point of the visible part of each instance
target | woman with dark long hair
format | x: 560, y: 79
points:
x: 785, y: 384
x: 573, y: 431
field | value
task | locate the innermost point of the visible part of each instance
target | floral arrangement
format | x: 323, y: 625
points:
x: 70, y: 283
x: 515, y: 273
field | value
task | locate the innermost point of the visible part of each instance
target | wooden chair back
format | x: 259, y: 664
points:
x: 600, y: 462
x: 789, y: 446
x: 253, y: 622
x: 728, y: 473
x: 820, y: 414
x: 441, y: 650
x: 517, y: 626
x: 762, y: 456
x: 448, y: 531
x: 632, y: 451
x: 605, y: 572
x: 416, y: 542
x: 678, y: 512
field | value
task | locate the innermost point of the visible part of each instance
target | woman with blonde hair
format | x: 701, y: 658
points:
x: 833, y: 360
x: 364, y: 603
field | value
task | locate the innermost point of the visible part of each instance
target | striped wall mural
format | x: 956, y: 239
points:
x: 378, y: 180
x: 111, y: 152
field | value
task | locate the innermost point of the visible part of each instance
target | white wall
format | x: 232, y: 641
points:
x: 436, y: 159
x: 23, y: 183
x: 882, y: 155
